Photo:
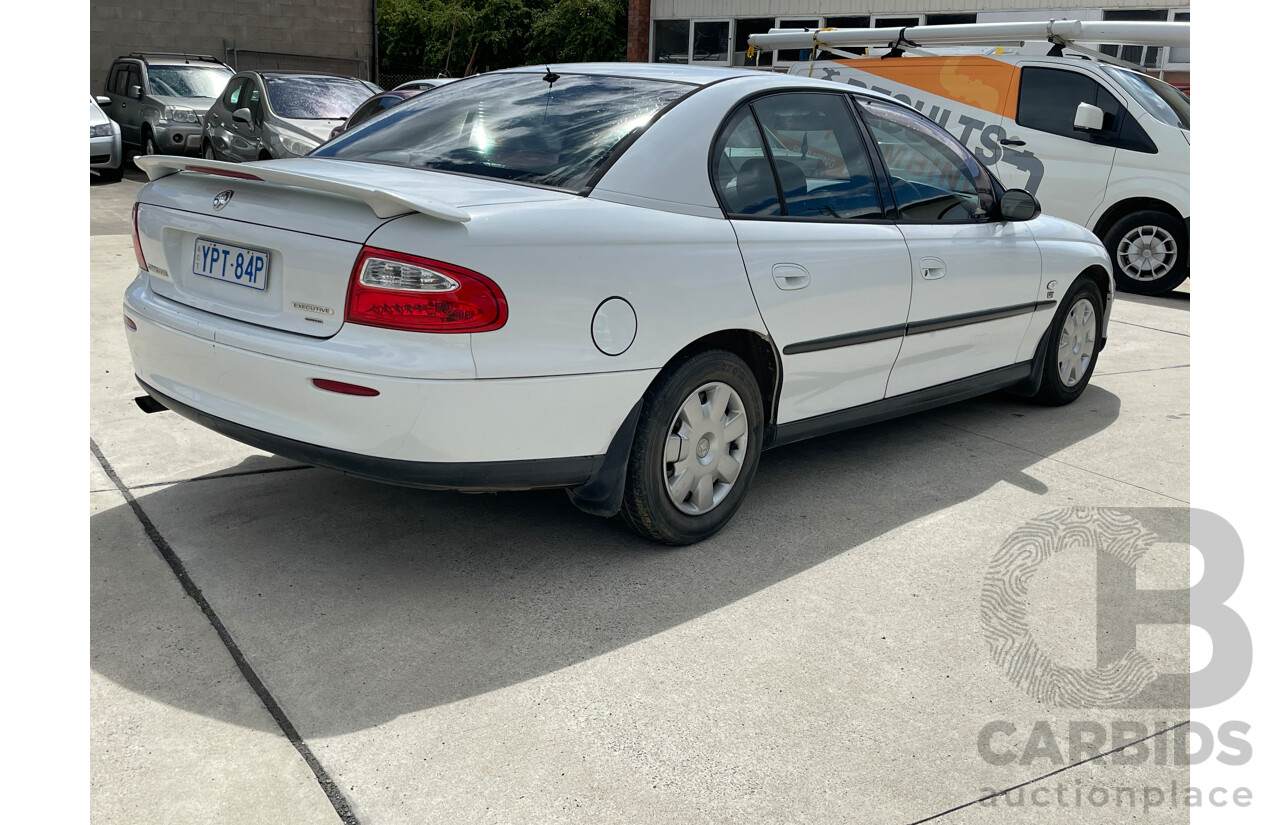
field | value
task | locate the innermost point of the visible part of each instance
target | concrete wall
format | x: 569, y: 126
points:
x: 328, y: 28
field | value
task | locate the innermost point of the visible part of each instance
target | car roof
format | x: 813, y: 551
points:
x: 301, y: 73
x: 166, y: 59
x: 697, y: 75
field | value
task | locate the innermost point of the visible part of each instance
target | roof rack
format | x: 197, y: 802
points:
x: 206, y: 57
x: 917, y: 39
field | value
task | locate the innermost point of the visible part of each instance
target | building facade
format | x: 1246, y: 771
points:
x: 335, y: 36
x: 715, y: 32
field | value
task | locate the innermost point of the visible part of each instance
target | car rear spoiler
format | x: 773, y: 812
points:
x: 384, y: 204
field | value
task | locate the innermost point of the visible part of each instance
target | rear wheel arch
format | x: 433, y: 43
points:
x: 602, y: 495
x: 754, y: 348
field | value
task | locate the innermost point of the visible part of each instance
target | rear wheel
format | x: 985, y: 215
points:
x: 696, y: 449
x: 1074, y: 336
x: 1150, y: 252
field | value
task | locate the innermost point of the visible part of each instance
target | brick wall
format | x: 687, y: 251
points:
x: 328, y: 28
x: 638, y: 30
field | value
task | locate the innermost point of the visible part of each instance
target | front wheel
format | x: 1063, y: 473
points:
x: 1150, y: 252
x: 1074, y: 336
x: 149, y: 145
x: 696, y: 449
x: 208, y: 150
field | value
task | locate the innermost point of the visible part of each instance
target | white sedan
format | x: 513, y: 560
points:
x: 625, y: 280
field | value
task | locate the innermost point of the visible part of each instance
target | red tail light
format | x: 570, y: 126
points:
x: 397, y: 291
x: 137, y: 242
x: 222, y: 173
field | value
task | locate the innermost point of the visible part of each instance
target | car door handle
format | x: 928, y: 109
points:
x: 790, y: 276
x: 931, y: 269
x: 1013, y: 142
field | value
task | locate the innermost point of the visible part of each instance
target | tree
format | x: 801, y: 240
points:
x: 431, y: 37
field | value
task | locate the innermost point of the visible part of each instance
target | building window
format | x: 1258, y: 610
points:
x: 949, y: 19
x: 1147, y: 57
x: 743, y: 28
x: 711, y: 41
x: 671, y: 41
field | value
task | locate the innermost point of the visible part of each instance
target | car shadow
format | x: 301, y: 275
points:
x: 358, y: 602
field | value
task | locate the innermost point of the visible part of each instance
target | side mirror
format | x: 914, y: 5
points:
x: 1019, y: 205
x: 1089, y: 118
x: 243, y: 116
x: 135, y: 92
x: 103, y: 100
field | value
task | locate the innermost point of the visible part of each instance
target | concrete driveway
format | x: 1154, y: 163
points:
x: 277, y: 643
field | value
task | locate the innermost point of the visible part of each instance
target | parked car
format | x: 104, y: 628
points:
x: 424, y: 84
x: 106, y: 156
x: 159, y: 99
x: 623, y: 280
x: 372, y: 107
x: 1121, y: 167
x: 266, y: 115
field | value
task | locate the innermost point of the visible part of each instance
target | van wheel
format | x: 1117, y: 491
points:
x: 1074, y: 336
x: 1150, y: 252
x: 696, y: 449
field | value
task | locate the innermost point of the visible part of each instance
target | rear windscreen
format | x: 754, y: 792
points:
x: 550, y: 131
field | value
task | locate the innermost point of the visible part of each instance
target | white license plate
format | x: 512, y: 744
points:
x: 233, y: 264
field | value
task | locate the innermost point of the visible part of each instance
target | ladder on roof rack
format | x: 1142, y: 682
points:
x: 916, y: 39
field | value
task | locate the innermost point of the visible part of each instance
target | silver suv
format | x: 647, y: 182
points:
x: 160, y: 98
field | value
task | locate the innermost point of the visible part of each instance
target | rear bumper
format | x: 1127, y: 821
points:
x: 476, y: 476
x: 418, y: 430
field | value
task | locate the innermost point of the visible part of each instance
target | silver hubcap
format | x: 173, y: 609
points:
x: 706, y: 445
x: 1147, y: 253
x: 1075, y: 345
x: 148, y: 148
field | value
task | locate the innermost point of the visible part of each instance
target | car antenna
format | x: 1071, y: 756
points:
x: 551, y: 77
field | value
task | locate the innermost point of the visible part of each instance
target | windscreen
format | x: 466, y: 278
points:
x: 1157, y: 97
x: 512, y: 126
x: 188, y: 81
x: 314, y: 98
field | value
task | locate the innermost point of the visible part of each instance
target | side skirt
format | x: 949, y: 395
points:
x: 899, y: 405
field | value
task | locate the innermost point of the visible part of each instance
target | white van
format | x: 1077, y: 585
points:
x: 1098, y: 144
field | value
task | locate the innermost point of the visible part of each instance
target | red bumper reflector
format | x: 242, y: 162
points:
x: 344, y: 388
x: 128, y: 322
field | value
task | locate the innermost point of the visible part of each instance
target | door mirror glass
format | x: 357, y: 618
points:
x: 1018, y: 205
x: 1089, y: 118
x: 243, y: 116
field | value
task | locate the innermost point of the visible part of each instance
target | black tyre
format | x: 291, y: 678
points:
x: 207, y: 151
x: 696, y: 449
x: 1150, y: 252
x: 1074, y: 337
x: 112, y: 175
x: 149, y: 144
